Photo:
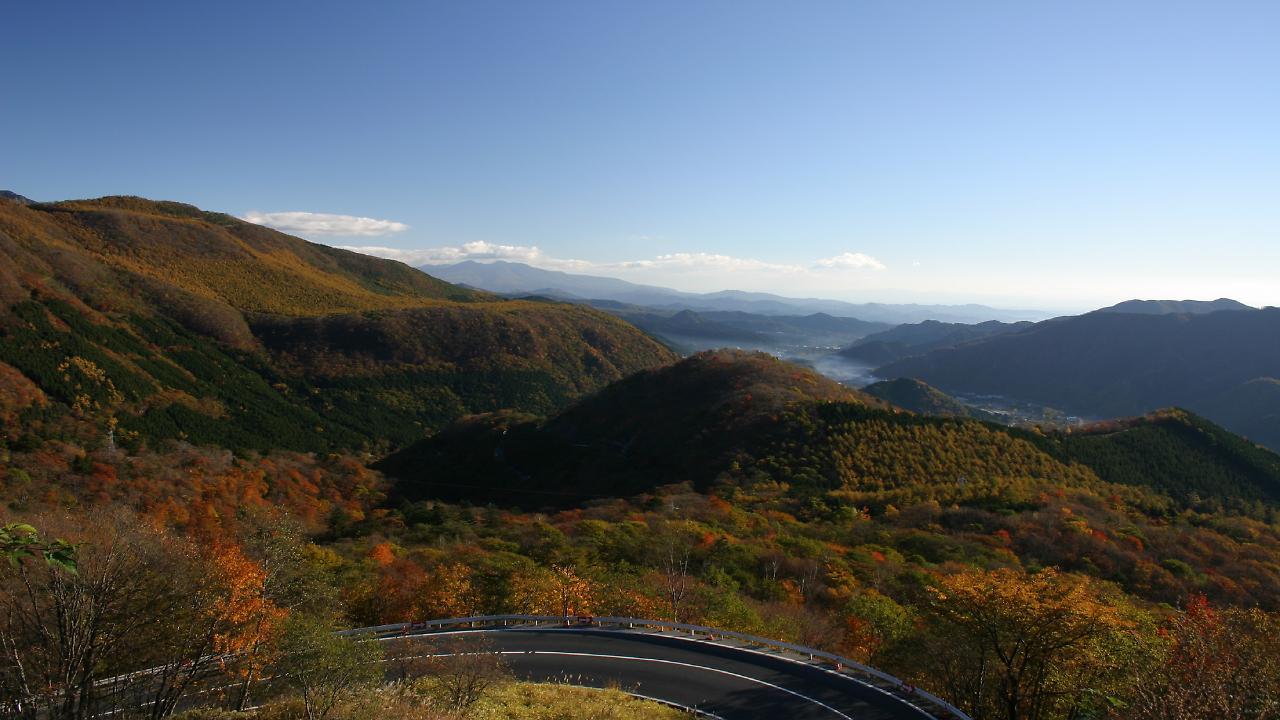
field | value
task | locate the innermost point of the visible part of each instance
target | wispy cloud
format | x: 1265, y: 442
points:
x: 701, y: 262
x: 478, y: 250
x: 325, y: 224
x: 850, y: 261
x: 690, y: 269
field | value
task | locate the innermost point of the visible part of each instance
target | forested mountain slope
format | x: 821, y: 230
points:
x: 1113, y: 501
x: 159, y: 320
x: 1180, y: 454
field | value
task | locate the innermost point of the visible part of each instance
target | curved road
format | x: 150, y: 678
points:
x: 717, y: 680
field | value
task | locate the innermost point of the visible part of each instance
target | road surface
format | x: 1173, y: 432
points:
x: 723, y: 682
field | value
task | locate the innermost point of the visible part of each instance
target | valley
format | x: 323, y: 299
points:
x: 377, y: 446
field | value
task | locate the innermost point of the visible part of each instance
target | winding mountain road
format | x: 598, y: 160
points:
x: 719, y: 681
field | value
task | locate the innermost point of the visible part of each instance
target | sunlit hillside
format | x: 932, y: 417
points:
x: 152, y: 320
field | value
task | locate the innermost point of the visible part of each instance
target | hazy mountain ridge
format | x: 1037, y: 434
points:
x: 692, y: 331
x: 1173, y: 307
x: 515, y: 278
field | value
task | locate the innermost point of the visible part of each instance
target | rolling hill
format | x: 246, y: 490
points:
x: 1177, y: 453
x: 919, y: 397
x: 677, y: 423
x: 160, y: 320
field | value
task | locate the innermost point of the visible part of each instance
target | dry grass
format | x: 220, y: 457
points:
x: 508, y: 701
x: 540, y: 701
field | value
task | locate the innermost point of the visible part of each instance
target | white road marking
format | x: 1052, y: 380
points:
x: 692, y: 640
x: 748, y: 678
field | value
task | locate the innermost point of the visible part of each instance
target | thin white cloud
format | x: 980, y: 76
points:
x: 480, y: 250
x: 325, y: 224
x: 850, y: 261
x: 703, y: 262
x: 686, y: 270
x: 477, y: 250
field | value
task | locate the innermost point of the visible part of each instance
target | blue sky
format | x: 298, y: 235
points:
x: 1050, y: 154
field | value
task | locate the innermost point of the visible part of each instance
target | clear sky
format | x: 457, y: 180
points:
x: 1046, y: 154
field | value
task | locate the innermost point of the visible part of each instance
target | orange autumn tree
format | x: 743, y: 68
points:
x: 557, y: 591
x: 449, y: 593
x: 1020, y: 646
x: 251, y: 619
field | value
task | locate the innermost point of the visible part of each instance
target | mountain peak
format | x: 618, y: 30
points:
x: 1175, y: 307
x: 15, y: 197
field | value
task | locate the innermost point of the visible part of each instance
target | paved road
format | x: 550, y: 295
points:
x: 725, y: 682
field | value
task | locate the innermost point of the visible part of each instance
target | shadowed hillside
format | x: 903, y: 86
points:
x: 684, y: 422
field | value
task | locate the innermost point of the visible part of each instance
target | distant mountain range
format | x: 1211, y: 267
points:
x: 690, y: 331
x: 512, y: 278
x: 1223, y: 365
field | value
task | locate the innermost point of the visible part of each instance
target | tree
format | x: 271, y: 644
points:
x: 462, y: 669
x: 874, y: 620
x: 560, y: 590
x: 323, y: 667
x: 673, y: 561
x: 572, y: 590
x: 19, y: 541
x: 276, y: 575
x: 250, y: 618
x: 141, y: 599
x: 1023, y: 647
x: 449, y: 593
x: 1219, y: 663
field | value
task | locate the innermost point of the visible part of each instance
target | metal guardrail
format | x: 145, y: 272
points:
x: 922, y: 700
